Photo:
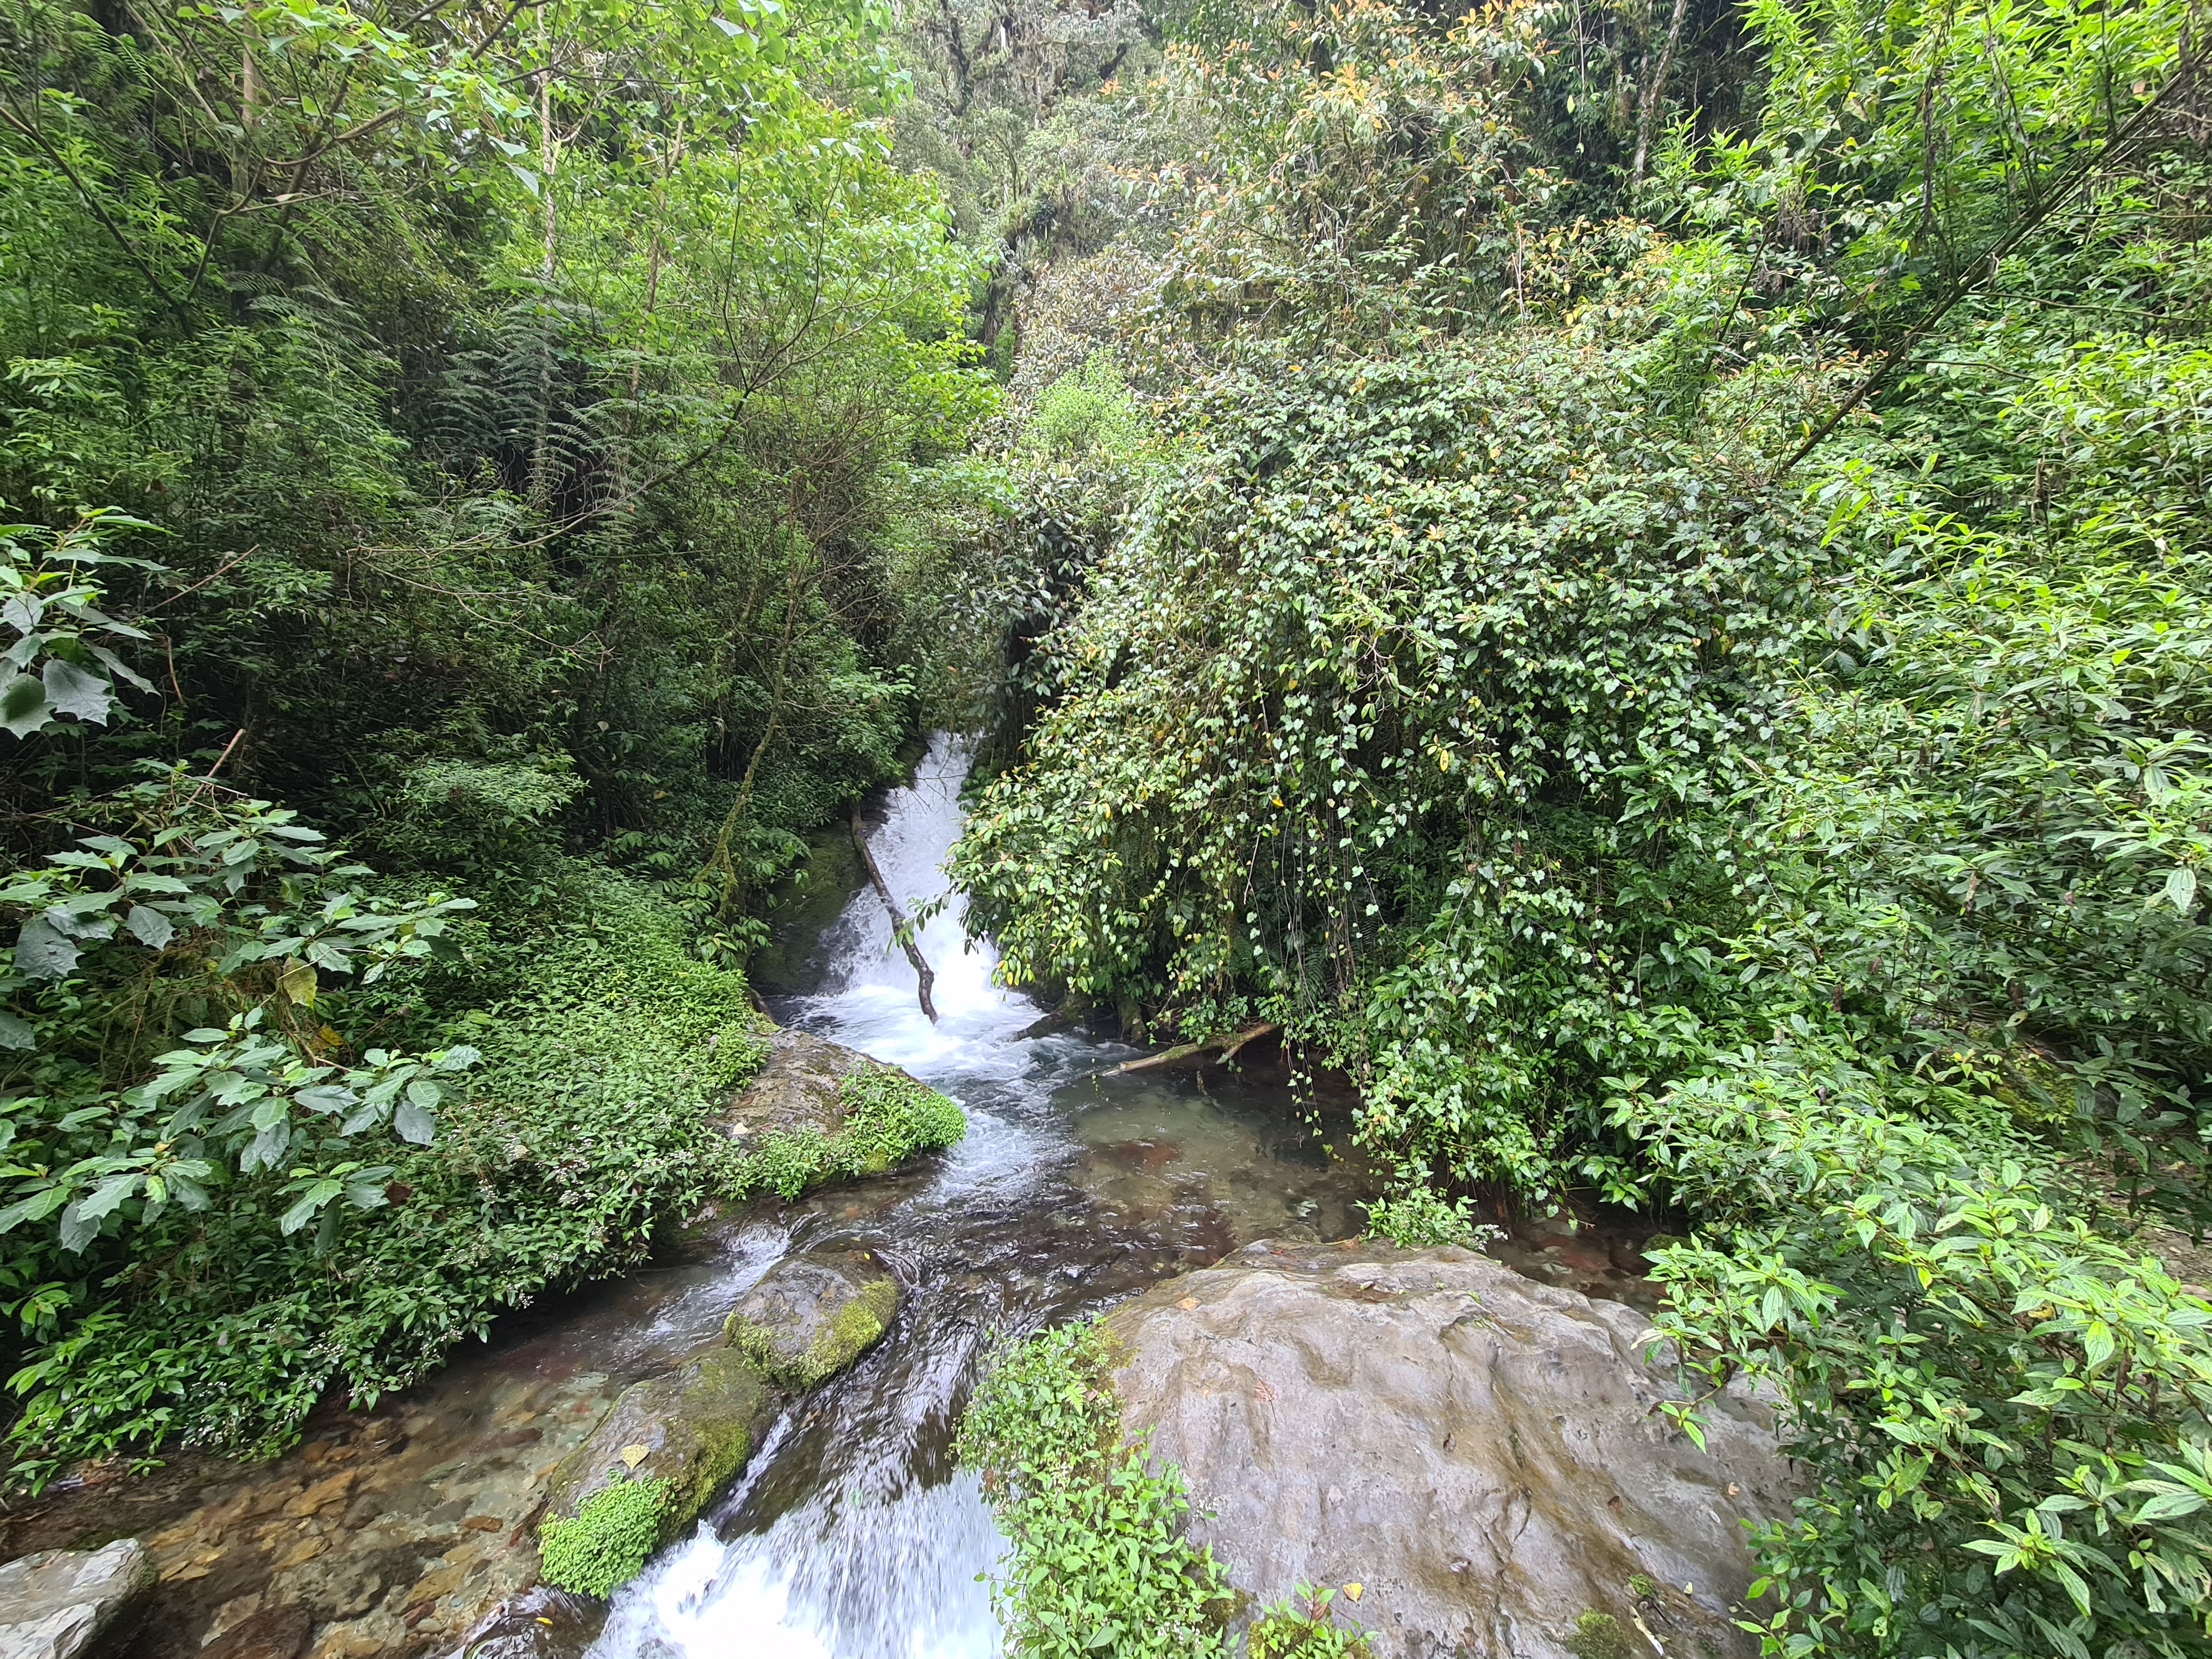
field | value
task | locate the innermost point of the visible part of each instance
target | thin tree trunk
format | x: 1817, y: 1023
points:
x: 548, y: 157
x: 720, y: 861
x: 902, y: 931
x: 1657, y: 89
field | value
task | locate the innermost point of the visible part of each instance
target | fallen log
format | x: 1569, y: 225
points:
x: 901, y: 929
x: 1215, y: 1050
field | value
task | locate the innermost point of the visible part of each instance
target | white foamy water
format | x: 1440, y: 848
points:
x: 897, y: 1580
x: 880, y: 1562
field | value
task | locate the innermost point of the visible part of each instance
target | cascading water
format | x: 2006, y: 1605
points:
x: 875, y: 1560
x: 851, y: 1534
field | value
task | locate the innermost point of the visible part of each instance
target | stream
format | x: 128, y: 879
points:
x: 391, y: 1532
x: 851, y: 1534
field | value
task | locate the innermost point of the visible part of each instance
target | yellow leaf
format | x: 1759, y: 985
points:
x: 297, y: 981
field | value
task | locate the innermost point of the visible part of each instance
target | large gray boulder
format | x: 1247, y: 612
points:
x: 1478, y: 1453
x: 58, y: 1604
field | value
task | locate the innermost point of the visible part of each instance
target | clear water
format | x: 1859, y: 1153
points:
x: 852, y: 1535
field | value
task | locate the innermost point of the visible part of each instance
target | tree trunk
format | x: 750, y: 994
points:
x: 925, y: 981
x: 540, y: 482
x: 1657, y: 90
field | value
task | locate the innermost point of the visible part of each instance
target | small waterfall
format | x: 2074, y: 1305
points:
x: 851, y: 1534
x: 881, y: 1558
x: 869, y: 1001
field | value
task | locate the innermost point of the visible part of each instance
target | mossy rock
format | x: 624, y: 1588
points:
x: 818, y: 1112
x: 812, y: 1316
x: 693, y: 1429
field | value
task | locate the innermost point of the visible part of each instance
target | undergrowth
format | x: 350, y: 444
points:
x: 1099, y: 1560
x: 607, y: 1053
x: 888, y: 1117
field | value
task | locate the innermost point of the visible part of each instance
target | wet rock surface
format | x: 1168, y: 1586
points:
x: 811, y: 1316
x: 1476, y: 1450
x: 694, y: 1429
x: 74, y: 1604
x: 796, y: 1087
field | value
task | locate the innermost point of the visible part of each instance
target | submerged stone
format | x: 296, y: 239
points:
x: 812, y: 1316
x: 1481, y: 1454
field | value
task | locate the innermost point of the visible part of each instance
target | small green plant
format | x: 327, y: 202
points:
x: 1100, y: 1563
x: 888, y: 1117
x: 1304, y: 1627
x: 1598, y: 1636
x: 607, y: 1542
x: 1420, y: 1217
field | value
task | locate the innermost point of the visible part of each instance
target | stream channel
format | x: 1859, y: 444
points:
x: 851, y: 1534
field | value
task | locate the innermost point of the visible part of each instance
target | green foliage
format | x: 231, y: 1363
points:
x: 1099, y: 1561
x: 220, y: 911
x: 608, y: 1054
x: 1418, y: 1218
x: 606, y: 1543
x: 2005, y: 1413
x: 887, y: 1117
x: 1697, y: 692
x: 539, y: 418
x: 52, y: 608
x: 1304, y: 1627
x: 1087, y: 416
x: 1368, y: 688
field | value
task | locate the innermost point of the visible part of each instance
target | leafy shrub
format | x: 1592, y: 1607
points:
x: 1375, y: 729
x: 1087, y: 415
x: 1304, y: 1627
x: 607, y: 1542
x: 889, y: 1117
x: 1099, y: 1562
x: 1418, y: 1216
x: 594, y: 1117
x: 2006, y: 1416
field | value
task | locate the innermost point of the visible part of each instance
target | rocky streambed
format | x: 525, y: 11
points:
x: 404, y: 1529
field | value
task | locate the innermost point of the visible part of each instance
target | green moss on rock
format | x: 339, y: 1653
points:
x: 836, y: 1341
x: 690, y: 1431
x: 812, y: 1316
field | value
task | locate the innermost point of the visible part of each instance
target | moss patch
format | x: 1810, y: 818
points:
x: 718, y: 1405
x: 607, y: 1541
x: 842, y: 1338
x: 1598, y: 1636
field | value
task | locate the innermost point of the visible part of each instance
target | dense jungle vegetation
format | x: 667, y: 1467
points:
x: 1634, y: 572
